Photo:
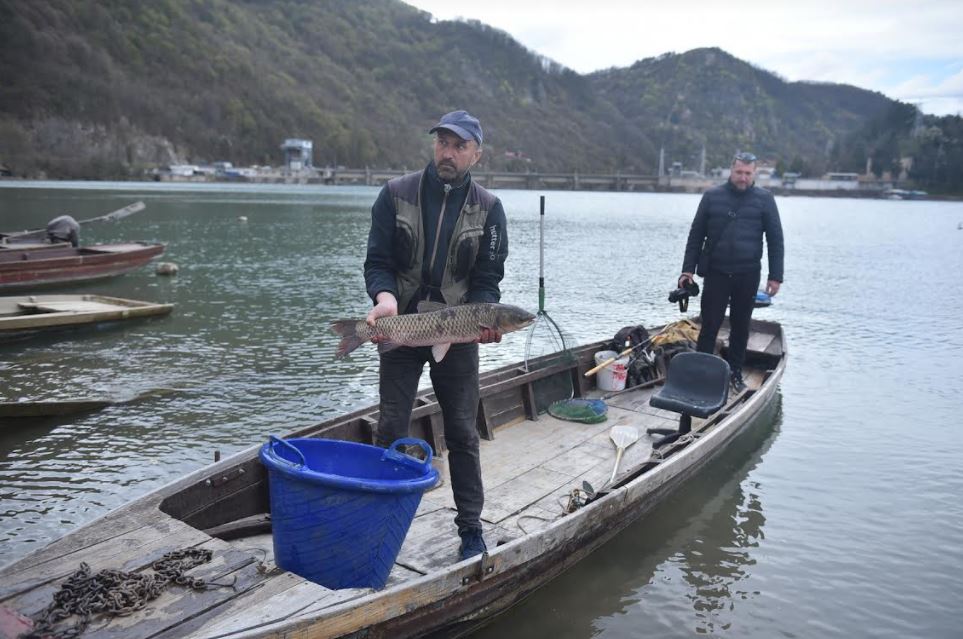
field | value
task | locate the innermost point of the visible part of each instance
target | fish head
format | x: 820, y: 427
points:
x: 510, y: 318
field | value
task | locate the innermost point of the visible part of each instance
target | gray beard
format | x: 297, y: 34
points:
x: 449, y: 174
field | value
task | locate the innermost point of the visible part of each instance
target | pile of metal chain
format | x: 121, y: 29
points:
x: 114, y: 593
x: 579, y: 497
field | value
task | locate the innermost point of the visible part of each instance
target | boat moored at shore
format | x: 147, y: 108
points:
x: 33, y: 266
x: 21, y: 314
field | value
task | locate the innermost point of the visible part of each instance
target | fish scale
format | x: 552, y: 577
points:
x: 448, y: 325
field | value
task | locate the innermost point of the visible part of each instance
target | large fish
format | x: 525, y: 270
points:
x: 430, y: 327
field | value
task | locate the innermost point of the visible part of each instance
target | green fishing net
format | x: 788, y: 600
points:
x: 586, y: 411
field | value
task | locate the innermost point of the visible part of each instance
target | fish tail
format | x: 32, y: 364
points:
x: 350, y: 339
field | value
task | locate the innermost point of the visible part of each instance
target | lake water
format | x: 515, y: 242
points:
x: 838, y: 515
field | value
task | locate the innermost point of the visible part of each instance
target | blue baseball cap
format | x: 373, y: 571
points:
x: 461, y: 123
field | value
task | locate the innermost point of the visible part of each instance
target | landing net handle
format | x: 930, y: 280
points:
x: 541, y: 255
x: 555, y: 334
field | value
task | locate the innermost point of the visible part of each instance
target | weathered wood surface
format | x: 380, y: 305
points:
x: 35, y: 312
x: 532, y: 470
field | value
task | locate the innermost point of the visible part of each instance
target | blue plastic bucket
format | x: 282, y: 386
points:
x: 341, y: 510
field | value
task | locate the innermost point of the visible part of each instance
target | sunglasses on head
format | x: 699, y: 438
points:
x: 744, y: 157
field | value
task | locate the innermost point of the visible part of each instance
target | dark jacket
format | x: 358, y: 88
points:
x: 736, y: 245
x: 387, y: 253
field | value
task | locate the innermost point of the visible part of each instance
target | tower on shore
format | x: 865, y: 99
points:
x: 298, y: 154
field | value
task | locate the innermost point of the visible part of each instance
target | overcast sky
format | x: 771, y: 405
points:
x: 911, y: 51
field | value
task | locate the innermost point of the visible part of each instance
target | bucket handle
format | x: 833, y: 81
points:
x: 277, y: 440
x: 398, y: 456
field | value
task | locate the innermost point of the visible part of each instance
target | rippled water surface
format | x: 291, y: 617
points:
x: 838, y: 515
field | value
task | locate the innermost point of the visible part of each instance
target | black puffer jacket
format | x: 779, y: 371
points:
x: 739, y: 248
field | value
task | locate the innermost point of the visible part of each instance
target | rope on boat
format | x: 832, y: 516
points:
x: 658, y: 455
x: 114, y: 593
x: 518, y: 522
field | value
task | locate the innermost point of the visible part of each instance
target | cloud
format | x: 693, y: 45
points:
x: 925, y: 86
x: 941, y: 97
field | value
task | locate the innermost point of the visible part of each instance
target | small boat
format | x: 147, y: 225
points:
x: 903, y: 194
x: 552, y: 497
x: 51, y: 408
x: 53, y: 255
x: 26, y: 409
x: 21, y: 314
x: 24, y: 266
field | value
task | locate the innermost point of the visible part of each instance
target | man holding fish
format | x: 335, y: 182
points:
x: 436, y: 255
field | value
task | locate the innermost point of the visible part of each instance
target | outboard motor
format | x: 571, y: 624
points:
x: 64, y: 229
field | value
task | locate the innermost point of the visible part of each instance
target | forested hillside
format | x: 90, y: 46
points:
x: 110, y: 88
x: 707, y: 98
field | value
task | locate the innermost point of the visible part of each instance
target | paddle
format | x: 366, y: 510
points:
x: 119, y: 214
x: 622, y: 437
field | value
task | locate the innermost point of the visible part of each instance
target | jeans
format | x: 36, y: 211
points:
x: 455, y: 382
x: 738, y: 291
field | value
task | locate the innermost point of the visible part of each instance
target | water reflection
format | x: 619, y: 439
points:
x: 713, y: 566
x: 703, y: 539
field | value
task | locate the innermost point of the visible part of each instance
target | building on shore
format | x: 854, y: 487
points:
x: 298, y: 154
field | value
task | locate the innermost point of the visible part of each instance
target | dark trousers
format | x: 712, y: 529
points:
x: 455, y: 382
x: 738, y: 292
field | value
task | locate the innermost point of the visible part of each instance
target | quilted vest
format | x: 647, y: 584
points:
x: 465, y: 239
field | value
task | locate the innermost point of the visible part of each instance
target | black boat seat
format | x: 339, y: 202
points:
x: 696, y: 385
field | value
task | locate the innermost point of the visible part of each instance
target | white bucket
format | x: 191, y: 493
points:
x: 612, y: 377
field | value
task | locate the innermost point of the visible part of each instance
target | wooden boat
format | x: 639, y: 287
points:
x: 27, y: 413
x: 29, y: 313
x: 33, y: 265
x: 539, y: 517
x: 51, y: 408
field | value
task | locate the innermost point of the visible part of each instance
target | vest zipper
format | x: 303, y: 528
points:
x: 441, y: 219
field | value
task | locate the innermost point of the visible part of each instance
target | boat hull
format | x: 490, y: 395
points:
x: 23, y: 268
